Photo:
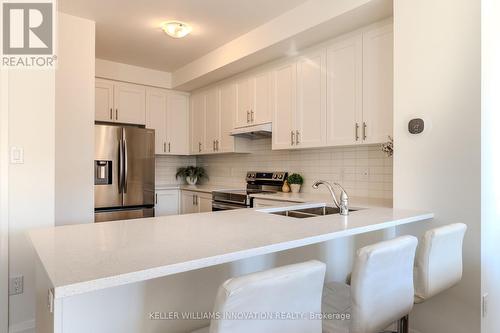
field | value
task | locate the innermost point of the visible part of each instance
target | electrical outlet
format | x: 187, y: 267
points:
x: 16, y: 285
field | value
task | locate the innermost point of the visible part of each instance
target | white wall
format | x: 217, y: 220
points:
x: 490, y: 164
x: 4, y: 202
x: 122, y: 72
x: 437, y: 77
x: 31, y: 185
x: 74, y: 121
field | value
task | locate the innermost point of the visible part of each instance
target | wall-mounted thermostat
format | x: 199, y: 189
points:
x: 416, y: 126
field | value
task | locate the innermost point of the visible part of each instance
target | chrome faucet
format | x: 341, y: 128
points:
x: 343, y: 206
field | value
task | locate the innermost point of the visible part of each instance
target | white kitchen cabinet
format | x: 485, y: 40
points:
x: 197, y: 120
x: 168, y: 114
x: 195, y: 202
x: 104, y: 107
x: 228, y: 106
x: 130, y: 103
x: 310, y: 118
x: 156, y: 117
x: 284, y: 106
x: 345, y: 91
x: 212, y: 121
x: 378, y: 46
x: 120, y: 102
x: 177, y: 124
x: 167, y: 202
x: 300, y: 103
x: 253, y: 100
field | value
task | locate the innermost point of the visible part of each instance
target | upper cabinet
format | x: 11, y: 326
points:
x: 300, y: 103
x: 345, y: 91
x: 167, y: 113
x: 360, y: 88
x: 253, y: 100
x: 212, y: 120
x: 120, y: 102
x: 378, y: 45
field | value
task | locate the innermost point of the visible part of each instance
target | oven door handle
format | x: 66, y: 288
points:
x: 224, y: 201
x: 218, y: 205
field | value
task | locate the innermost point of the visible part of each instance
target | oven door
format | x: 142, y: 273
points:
x: 219, y: 206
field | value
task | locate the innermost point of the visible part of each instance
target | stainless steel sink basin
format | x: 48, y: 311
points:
x: 309, y: 212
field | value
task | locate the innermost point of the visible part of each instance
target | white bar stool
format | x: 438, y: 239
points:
x: 293, y: 289
x: 438, y: 263
x: 381, y: 290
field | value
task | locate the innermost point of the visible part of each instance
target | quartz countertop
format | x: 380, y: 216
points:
x: 88, y: 257
x: 323, y: 197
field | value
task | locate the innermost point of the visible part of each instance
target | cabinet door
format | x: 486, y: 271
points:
x: 166, y: 202
x: 177, y: 124
x: 197, y: 120
x: 212, y: 121
x: 378, y: 84
x: 244, y: 97
x: 345, y: 89
x: 130, y: 103
x: 204, y: 203
x: 261, y: 104
x: 228, y: 107
x: 156, y: 117
x: 284, y: 104
x: 310, y: 128
x: 188, y: 202
x: 104, y: 110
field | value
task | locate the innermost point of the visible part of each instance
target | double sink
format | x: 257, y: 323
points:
x: 302, y: 213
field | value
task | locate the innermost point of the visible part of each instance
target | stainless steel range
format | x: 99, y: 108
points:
x: 257, y: 182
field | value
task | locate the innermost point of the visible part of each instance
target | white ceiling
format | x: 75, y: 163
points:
x: 128, y: 31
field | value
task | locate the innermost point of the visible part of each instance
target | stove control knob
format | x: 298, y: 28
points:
x: 280, y: 176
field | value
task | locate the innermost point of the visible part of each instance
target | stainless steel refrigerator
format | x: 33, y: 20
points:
x: 124, y: 170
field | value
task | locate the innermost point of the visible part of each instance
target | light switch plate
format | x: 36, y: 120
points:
x: 16, y: 155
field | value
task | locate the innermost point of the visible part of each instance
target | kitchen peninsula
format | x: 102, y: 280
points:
x: 82, y: 259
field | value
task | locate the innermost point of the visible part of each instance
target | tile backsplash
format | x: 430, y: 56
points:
x: 364, y: 171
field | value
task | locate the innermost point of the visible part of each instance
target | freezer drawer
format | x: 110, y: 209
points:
x: 123, y: 214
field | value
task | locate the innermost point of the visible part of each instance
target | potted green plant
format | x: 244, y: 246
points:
x: 191, y: 174
x: 295, y: 180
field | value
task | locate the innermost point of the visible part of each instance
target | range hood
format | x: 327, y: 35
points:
x: 254, y: 131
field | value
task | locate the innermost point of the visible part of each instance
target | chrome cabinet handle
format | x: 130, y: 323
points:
x: 217, y: 145
x: 193, y: 201
x: 199, y: 147
x: 164, y: 148
x: 356, y: 130
x: 297, y: 137
x: 156, y: 198
x: 252, y: 115
x: 116, y: 114
x: 169, y: 147
x: 111, y: 113
x: 292, y: 137
x: 248, y: 116
x: 214, y: 148
x: 364, y: 130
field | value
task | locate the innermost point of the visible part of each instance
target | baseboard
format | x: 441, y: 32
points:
x: 414, y: 331
x: 23, y: 327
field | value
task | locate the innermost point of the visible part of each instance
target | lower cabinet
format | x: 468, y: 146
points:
x: 195, y: 202
x: 167, y: 202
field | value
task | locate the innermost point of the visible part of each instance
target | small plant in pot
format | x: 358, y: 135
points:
x: 295, y: 180
x: 191, y: 174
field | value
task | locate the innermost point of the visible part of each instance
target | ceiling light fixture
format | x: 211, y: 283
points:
x: 176, y: 29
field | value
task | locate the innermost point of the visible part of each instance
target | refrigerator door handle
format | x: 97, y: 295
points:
x: 125, y: 166
x: 120, y: 166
